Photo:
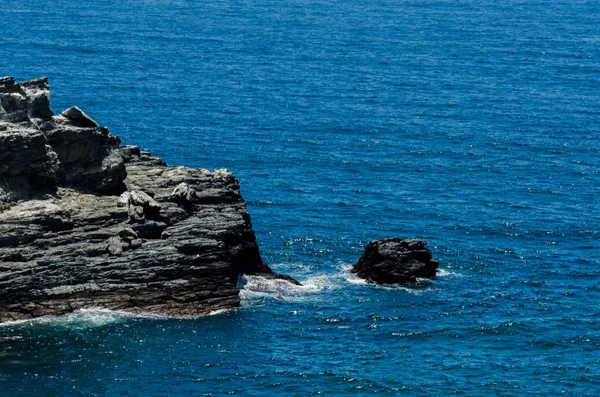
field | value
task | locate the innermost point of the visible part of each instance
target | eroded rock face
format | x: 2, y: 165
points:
x: 395, y: 260
x: 39, y: 151
x: 85, y: 222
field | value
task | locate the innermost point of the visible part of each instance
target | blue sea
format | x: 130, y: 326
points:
x: 474, y: 125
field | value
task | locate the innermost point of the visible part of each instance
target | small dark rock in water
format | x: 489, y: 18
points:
x: 395, y: 260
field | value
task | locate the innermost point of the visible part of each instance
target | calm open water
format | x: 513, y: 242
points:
x: 472, y: 124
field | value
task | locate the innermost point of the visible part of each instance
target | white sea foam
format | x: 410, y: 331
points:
x: 96, y: 317
x: 220, y: 311
x: 411, y: 289
x: 356, y: 281
x: 447, y: 273
x: 262, y: 284
x: 350, y: 277
x: 254, y: 289
x: 83, y: 318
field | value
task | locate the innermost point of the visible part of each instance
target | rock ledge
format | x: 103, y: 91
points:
x: 86, y: 222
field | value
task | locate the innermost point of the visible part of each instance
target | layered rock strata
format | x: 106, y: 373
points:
x: 395, y: 260
x: 86, y: 222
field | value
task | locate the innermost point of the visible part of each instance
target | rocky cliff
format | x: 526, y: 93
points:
x: 86, y: 222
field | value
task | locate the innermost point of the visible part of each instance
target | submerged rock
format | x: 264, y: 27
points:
x: 395, y: 260
x: 85, y: 222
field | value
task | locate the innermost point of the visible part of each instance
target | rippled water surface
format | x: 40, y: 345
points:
x: 471, y: 124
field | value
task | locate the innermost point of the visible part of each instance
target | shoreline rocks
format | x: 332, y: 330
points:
x: 395, y: 261
x: 86, y: 222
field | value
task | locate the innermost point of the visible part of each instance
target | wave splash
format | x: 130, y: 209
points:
x: 254, y: 288
x: 268, y: 285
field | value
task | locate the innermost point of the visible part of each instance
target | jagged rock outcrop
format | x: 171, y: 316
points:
x: 86, y: 222
x: 395, y: 260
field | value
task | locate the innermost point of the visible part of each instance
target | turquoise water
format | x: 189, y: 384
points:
x: 470, y: 124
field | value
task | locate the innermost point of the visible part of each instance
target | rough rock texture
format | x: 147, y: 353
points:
x: 395, y: 260
x: 85, y: 222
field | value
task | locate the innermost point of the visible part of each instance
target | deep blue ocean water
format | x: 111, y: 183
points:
x: 471, y: 124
